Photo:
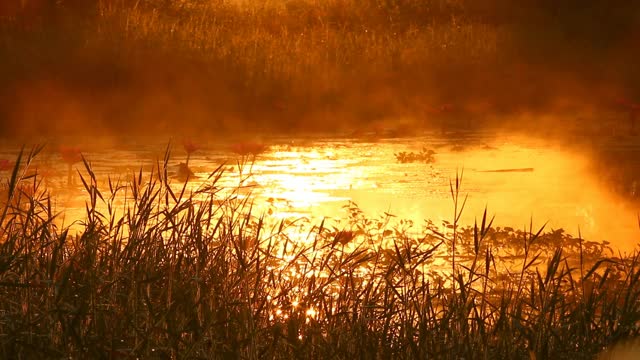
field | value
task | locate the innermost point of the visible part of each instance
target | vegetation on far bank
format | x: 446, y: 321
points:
x: 94, y: 66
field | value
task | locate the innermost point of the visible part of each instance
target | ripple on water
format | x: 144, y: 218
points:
x: 317, y: 178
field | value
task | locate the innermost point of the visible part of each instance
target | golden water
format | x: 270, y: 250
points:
x: 316, y: 178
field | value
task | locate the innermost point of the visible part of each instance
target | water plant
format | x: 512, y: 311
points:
x: 248, y: 148
x: 70, y: 155
x: 190, y: 147
x: 425, y: 155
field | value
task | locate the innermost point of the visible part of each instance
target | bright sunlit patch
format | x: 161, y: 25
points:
x: 311, y: 313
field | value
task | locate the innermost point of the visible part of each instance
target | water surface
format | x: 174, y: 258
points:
x: 520, y: 181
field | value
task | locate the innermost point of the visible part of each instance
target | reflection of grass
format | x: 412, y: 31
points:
x: 185, y: 275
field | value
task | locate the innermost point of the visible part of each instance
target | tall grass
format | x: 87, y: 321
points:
x: 158, y: 271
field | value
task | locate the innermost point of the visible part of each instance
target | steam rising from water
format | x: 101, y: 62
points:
x: 519, y: 180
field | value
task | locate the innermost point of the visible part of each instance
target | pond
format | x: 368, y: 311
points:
x: 519, y: 180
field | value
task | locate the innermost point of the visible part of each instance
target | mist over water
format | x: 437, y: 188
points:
x: 521, y: 181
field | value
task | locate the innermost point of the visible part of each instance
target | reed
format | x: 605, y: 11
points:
x: 155, y: 270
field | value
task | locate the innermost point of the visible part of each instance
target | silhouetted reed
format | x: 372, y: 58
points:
x: 160, y: 271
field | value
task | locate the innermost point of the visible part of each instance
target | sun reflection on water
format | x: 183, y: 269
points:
x: 519, y: 180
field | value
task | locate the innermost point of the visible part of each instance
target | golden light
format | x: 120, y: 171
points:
x: 517, y: 179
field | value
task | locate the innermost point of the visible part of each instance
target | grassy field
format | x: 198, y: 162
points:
x: 308, y: 65
x: 157, y: 273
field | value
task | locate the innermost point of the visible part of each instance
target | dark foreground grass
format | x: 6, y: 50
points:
x: 159, y: 273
